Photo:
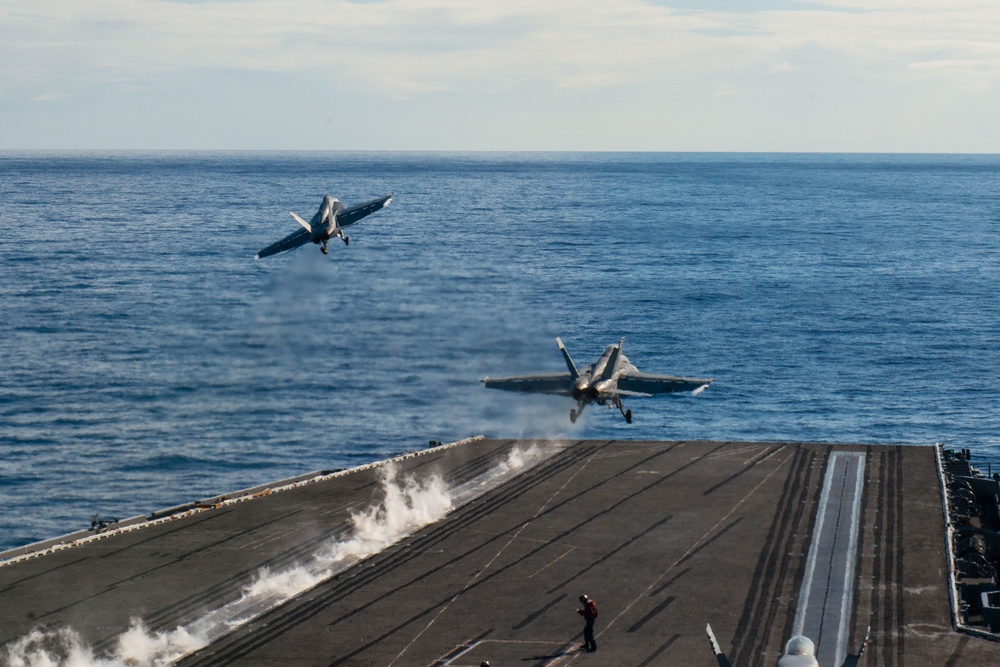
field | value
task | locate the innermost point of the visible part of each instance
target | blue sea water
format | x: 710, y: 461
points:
x: 147, y: 360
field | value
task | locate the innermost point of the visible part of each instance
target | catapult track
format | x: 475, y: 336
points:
x: 665, y: 535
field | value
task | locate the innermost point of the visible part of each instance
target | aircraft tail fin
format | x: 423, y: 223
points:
x: 853, y: 660
x: 714, y: 643
x: 328, y: 214
x: 609, y: 368
x: 569, y: 360
x: 302, y: 222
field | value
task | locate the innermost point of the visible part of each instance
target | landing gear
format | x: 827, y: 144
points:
x: 572, y: 416
x: 323, y: 249
x: 347, y: 240
x: 627, y: 414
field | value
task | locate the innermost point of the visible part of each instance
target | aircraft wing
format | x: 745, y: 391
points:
x: 351, y: 215
x: 297, y: 238
x: 647, y: 383
x: 560, y: 384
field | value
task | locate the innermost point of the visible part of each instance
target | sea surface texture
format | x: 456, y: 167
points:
x: 146, y: 358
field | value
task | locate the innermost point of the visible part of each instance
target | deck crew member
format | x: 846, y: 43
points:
x: 589, y: 613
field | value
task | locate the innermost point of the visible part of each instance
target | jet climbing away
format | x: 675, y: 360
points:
x: 329, y: 221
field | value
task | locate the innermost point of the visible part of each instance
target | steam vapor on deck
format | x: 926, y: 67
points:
x: 478, y: 550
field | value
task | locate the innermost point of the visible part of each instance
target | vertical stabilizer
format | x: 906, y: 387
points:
x: 612, y: 365
x: 569, y: 360
x: 328, y: 213
x: 714, y: 643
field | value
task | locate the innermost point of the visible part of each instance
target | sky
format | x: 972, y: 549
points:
x: 510, y: 75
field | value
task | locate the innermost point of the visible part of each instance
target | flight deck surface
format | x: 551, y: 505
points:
x: 761, y: 540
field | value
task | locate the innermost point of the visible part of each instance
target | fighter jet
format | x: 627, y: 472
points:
x: 329, y: 221
x: 799, y: 651
x: 611, y: 378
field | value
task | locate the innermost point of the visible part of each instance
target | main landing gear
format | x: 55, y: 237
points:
x: 627, y: 414
x: 575, y: 413
x: 323, y: 249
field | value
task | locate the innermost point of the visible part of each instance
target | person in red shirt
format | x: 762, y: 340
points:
x: 589, y: 613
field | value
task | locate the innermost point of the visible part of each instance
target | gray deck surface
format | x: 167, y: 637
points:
x: 665, y: 536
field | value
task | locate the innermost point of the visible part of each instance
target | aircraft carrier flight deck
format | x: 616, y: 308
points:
x: 761, y: 540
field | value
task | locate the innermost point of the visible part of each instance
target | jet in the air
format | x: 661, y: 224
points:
x: 329, y: 221
x: 611, y: 378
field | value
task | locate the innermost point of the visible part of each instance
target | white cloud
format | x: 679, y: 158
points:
x: 48, y: 97
x: 419, y: 46
x: 411, y: 50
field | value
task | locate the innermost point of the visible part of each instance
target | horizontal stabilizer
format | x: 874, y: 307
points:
x: 648, y: 383
x: 625, y: 392
x: 558, y: 384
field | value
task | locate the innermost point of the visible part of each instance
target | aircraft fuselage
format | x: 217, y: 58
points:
x: 605, y: 382
x: 597, y: 380
x: 327, y: 227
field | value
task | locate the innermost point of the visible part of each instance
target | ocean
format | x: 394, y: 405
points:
x: 148, y: 360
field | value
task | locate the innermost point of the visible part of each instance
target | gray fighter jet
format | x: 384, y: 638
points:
x: 800, y: 651
x: 611, y: 378
x: 329, y: 221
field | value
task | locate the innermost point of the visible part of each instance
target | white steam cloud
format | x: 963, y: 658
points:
x: 136, y: 647
x: 408, y: 505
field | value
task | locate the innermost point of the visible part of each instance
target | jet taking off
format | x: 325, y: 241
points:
x: 611, y: 378
x: 329, y: 221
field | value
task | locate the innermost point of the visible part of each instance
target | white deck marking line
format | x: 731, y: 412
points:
x: 830, y: 536
x: 552, y: 562
x: 690, y: 550
x: 564, y: 646
x: 478, y: 574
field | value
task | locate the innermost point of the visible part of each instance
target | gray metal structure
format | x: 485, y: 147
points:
x: 329, y: 221
x: 606, y: 382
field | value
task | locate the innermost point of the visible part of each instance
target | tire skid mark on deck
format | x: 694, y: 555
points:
x: 750, y: 643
